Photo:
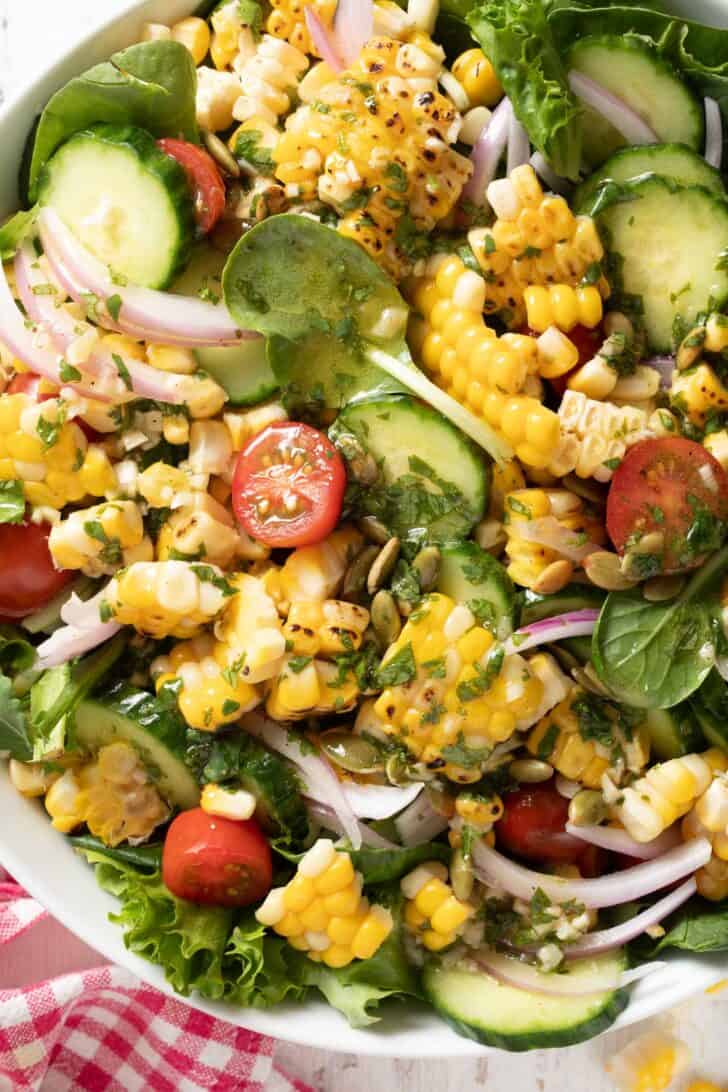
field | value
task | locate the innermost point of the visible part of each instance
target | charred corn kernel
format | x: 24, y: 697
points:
x: 160, y: 484
x: 167, y: 598
x: 323, y: 907
x: 545, y: 515
x: 477, y: 75
x: 171, y: 358
x: 434, y: 914
x: 395, y: 157
x: 287, y: 21
x: 697, y: 392
x: 211, y: 694
x: 31, y: 779
x: 243, y: 425
x: 249, y: 633
x: 717, y: 444
x: 99, y: 540
x: 477, y: 812
x: 201, y: 529
x: 595, y: 436
x: 326, y: 629
x: 314, y: 572
x: 194, y: 35
x: 267, y: 73
x: 453, y: 690
x: 562, y: 306
x: 228, y: 804
x: 316, y: 688
x: 665, y: 793
x: 650, y: 1063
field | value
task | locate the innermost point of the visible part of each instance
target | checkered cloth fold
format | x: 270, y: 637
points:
x: 103, y: 1030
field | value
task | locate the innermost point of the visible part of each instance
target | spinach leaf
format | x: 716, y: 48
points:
x: 385, y: 865
x: 698, y: 926
x: 654, y: 655
x: 515, y: 35
x: 13, y: 724
x: 12, y: 234
x: 151, y: 85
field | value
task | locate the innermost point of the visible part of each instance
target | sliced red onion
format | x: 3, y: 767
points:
x: 487, y: 151
x: 713, y: 133
x: 577, y: 623
x: 554, y: 181
x: 492, y: 868
x: 328, y: 818
x: 323, y: 40
x: 146, y: 381
x: 143, y: 312
x: 599, y: 978
x: 380, y: 801
x: 665, y: 367
x: 625, y: 120
x: 547, y: 531
x: 353, y: 26
x: 83, y: 631
x: 519, y: 146
x: 618, y: 841
x: 321, y: 783
x: 420, y: 823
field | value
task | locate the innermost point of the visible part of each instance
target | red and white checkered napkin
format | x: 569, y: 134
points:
x: 103, y: 1030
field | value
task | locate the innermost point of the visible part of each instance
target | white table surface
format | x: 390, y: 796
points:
x: 32, y: 33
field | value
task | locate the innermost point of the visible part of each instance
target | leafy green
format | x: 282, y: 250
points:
x: 12, y: 502
x: 248, y: 147
x: 515, y: 35
x: 14, y: 231
x: 698, y: 926
x: 654, y: 655
x: 13, y: 724
x: 16, y: 653
x: 148, y: 858
x: 709, y: 704
x: 151, y: 85
x: 399, y: 669
x: 385, y: 865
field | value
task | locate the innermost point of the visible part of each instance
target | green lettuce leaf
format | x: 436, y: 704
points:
x: 385, y: 865
x: 13, y: 724
x: 698, y: 926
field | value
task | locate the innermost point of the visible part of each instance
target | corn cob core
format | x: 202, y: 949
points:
x: 211, y: 693
x: 544, y: 511
x: 167, y: 598
x: 325, y: 629
x: 595, y: 435
x: 432, y: 911
x: 52, y: 458
x: 708, y: 818
x: 287, y: 20
x: 451, y: 689
x: 100, y: 539
x: 665, y: 793
x: 376, y: 146
x: 112, y: 795
x: 322, y: 911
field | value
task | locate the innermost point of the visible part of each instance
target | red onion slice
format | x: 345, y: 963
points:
x: 600, y: 977
x: 487, y: 151
x: 577, y: 623
x: 618, y: 841
x: 323, y: 40
x: 353, y: 26
x: 713, y: 133
x: 143, y: 312
x: 380, y: 801
x: 496, y: 870
x: 83, y: 631
x: 554, y: 181
x: 327, y: 818
x: 420, y: 823
x: 547, y: 531
x: 321, y: 783
x: 625, y: 120
x: 519, y: 146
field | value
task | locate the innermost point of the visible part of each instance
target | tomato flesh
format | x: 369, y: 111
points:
x: 217, y: 862
x: 28, y: 577
x: 533, y: 825
x: 204, y: 177
x: 288, y: 486
x: 675, y: 487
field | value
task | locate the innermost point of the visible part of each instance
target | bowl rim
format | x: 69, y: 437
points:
x: 42, y: 862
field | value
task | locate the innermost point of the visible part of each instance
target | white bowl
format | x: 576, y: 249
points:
x: 46, y: 865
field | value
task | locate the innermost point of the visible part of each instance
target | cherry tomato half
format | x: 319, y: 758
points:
x: 288, y: 486
x: 28, y: 577
x: 205, y: 179
x: 533, y: 825
x: 219, y: 862
x: 675, y: 487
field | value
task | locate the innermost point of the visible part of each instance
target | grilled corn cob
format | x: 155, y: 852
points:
x: 314, y: 573
x: 596, y: 435
x: 251, y: 631
x: 211, y: 693
x: 543, y: 512
x: 268, y: 71
x: 562, y: 306
x: 167, y: 598
x: 665, y: 793
x: 450, y: 695
x: 51, y: 456
x: 325, y: 629
x: 99, y: 540
x: 708, y: 818
x: 432, y: 911
x: 308, y: 687
x: 322, y: 911
x: 203, y: 529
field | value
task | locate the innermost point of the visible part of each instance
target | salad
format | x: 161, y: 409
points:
x: 364, y: 501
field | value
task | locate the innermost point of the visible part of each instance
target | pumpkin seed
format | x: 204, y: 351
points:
x: 587, y: 808
x: 652, y: 543
x: 554, y: 577
x: 386, y: 621
x: 530, y: 770
x: 383, y: 565
x: 220, y: 152
x: 397, y: 770
x: 461, y: 876
x: 374, y: 530
x: 355, y: 578
x: 691, y: 349
x: 603, y: 568
x: 350, y: 752
x: 660, y: 588
x: 490, y: 534
x: 427, y: 566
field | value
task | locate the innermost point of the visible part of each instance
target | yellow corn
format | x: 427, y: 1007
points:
x: 432, y: 911
x: 323, y: 912
x: 53, y: 459
x: 31, y: 779
x: 376, y: 140
x: 453, y: 696
x: 309, y: 687
x: 477, y: 75
x: 325, y: 629
x: 717, y: 444
x: 698, y: 391
x: 250, y: 632
x: 210, y: 694
x: 243, y: 425
x: 171, y: 358
x: 477, y: 812
x: 665, y: 793
x: 562, y: 306
x: 100, y: 539
x: 200, y: 530
x: 160, y: 484
x: 703, y: 1086
x: 226, y: 29
x: 287, y: 21
x: 709, y: 819
x: 268, y: 70
x: 649, y: 1063
x: 227, y: 803
x: 595, y: 436
x: 489, y: 374
x: 194, y: 35
x: 167, y: 598
x: 551, y: 510
x: 314, y: 572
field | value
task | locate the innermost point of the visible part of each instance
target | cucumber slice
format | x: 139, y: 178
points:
x: 632, y: 69
x: 669, y: 243
x: 157, y: 733
x: 280, y: 808
x: 672, y: 161
x: 125, y: 200
x: 573, y: 597
x: 471, y: 576
x: 483, y: 1009
x: 431, y: 476
x: 674, y: 732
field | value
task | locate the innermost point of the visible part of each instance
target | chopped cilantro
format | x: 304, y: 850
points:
x: 68, y: 373
x: 401, y: 668
x: 296, y: 664
x: 122, y: 370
